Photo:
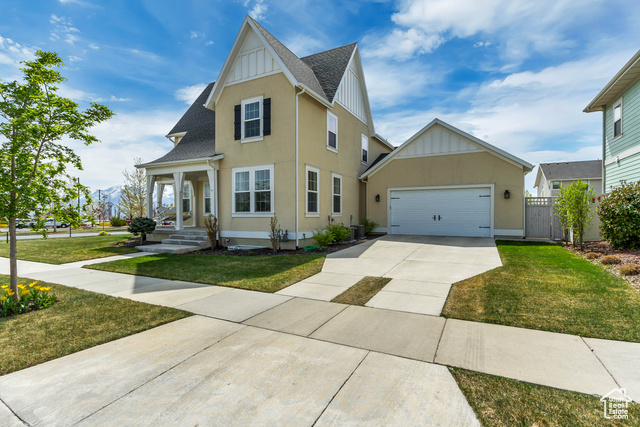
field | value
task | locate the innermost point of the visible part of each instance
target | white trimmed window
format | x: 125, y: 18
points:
x: 332, y: 131
x: 365, y: 149
x: 251, y: 118
x: 555, y: 185
x: 253, y: 190
x: 313, y: 191
x: 336, y: 194
x: 617, y: 118
x: 207, y: 198
x: 186, y: 197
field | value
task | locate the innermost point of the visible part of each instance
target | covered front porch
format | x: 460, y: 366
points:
x: 195, y: 194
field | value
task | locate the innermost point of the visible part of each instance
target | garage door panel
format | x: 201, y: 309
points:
x: 458, y: 212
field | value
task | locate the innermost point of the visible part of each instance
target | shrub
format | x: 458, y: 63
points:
x: 118, y: 222
x: 323, y: 237
x: 611, y: 259
x: 572, y: 207
x: 104, y: 233
x: 619, y: 214
x: 212, y: 227
x: 30, y: 297
x: 339, y: 232
x: 630, y: 269
x: 369, y: 225
x: 142, y: 225
x: 592, y: 255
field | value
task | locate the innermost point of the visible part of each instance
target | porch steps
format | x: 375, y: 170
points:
x: 182, y: 242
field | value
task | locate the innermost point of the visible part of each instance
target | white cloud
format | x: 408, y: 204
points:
x: 94, y: 46
x: 303, y: 45
x: 12, y: 53
x: 388, y: 85
x: 196, y: 34
x: 63, y: 26
x: 209, y: 43
x: 188, y: 94
x: 259, y: 10
x: 401, y: 44
x: 78, y: 95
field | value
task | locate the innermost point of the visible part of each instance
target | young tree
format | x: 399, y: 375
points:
x: 573, y: 208
x: 133, y: 200
x: 33, y: 121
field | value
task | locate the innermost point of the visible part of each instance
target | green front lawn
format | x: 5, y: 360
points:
x: 79, y: 320
x: 258, y: 273
x: 544, y: 286
x: 363, y: 291
x: 67, y: 249
x: 503, y: 402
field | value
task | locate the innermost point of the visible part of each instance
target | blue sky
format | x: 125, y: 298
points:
x: 514, y: 73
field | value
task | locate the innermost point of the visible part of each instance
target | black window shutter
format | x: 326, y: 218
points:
x: 237, y: 122
x: 266, y: 121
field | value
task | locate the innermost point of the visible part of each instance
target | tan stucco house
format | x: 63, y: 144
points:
x: 293, y: 137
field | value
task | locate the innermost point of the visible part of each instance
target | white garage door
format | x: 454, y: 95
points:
x: 449, y: 212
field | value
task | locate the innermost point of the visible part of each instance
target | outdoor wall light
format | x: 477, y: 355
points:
x: 377, y: 197
x: 507, y: 195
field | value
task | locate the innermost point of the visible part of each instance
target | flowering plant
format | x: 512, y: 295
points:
x: 30, y: 297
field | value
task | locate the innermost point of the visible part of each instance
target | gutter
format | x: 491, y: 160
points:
x: 175, y: 162
x: 297, y: 169
x: 306, y: 89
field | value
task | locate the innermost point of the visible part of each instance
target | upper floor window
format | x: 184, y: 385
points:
x: 365, y: 149
x: 555, y: 185
x: 332, y: 131
x: 251, y: 118
x: 253, y: 190
x: 617, y: 118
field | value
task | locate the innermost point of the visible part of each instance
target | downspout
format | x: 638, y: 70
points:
x: 604, y: 140
x: 297, y: 170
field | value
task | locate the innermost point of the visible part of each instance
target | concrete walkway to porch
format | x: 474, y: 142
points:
x: 422, y: 270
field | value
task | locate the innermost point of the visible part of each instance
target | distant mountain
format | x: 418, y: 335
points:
x: 114, y: 194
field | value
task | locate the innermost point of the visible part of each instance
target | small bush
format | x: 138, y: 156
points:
x: 104, y: 233
x: 142, y: 225
x: 339, y: 232
x: 592, y: 255
x: 118, y: 222
x: 630, y: 269
x: 323, y: 237
x: 611, y: 259
x: 369, y: 225
x: 619, y: 214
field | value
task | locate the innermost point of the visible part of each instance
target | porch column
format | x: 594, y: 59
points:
x: 193, y: 201
x: 159, y: 191
x: 212, y: 174
x: 151, y: 180
x: 178, y: 183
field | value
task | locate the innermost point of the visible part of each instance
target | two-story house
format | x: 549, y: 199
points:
x: 551, y: 177
x: 619, y: 102
x: 279, y: 135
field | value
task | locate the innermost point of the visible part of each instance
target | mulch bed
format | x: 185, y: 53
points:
x: 603, y: 248
x: 269, y: 252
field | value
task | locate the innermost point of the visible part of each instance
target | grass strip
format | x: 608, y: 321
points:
x: 363, y: 291
x: 544, y: 286
x: 68, y: 249
x: 503, y: 402
x: 79, y: 320
x: 257, y: 273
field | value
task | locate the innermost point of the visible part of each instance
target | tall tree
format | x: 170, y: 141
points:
x: 133, y: 199
x: 33, y: 160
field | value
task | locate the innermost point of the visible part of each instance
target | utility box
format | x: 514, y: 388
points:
x: 357, y: 231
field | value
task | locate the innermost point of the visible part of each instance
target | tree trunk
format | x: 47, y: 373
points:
x: 13, y: 263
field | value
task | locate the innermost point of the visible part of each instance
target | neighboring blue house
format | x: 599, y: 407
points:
x: 620, y: 103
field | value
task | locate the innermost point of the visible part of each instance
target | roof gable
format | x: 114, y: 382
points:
x: 627, y: 76
x: 329, y: 67
x: 440, y: 138
x: 352, y: 92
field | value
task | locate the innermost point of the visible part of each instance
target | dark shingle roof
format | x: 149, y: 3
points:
x: 378, y: 160
x: 300, y: 70
x: 199, y: 124
x: 329, y: 67
x: 572, y: 170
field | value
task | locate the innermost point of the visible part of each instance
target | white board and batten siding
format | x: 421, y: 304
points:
x: 350, y: 94
x: 442, y: 212
x: 253, y: 61
x: 439, y: 141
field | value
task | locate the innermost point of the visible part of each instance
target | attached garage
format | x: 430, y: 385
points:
x: 445, y: 182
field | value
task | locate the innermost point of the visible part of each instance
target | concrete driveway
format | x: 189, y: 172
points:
x: 422, y: 269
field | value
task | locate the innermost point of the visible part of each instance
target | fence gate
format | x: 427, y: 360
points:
x: 540, y: 221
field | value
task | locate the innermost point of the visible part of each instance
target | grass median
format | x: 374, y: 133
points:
x: 544, y: 286
x: 68, y: 249
x: 79, y: 320
x: 258, y: 273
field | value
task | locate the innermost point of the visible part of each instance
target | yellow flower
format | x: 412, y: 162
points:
x: 21, y: 286
x: 25, y: 292
x: 37, y: 288
x: 32, y: 284
x: 4, y: 287
x: 10, y: 293
x: 2, y: 299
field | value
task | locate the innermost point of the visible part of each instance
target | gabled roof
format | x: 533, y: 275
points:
x: 589, y: 169
x: 627, y: 76
x: 198, y: 127
x: 329, y: 67
x: 495, y: 150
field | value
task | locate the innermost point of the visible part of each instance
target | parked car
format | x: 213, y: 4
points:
x: 50, y: 224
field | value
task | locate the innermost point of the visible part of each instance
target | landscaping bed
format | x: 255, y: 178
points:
x: 602, y: 249
x: 78, y: 320
x: 544, y: 286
